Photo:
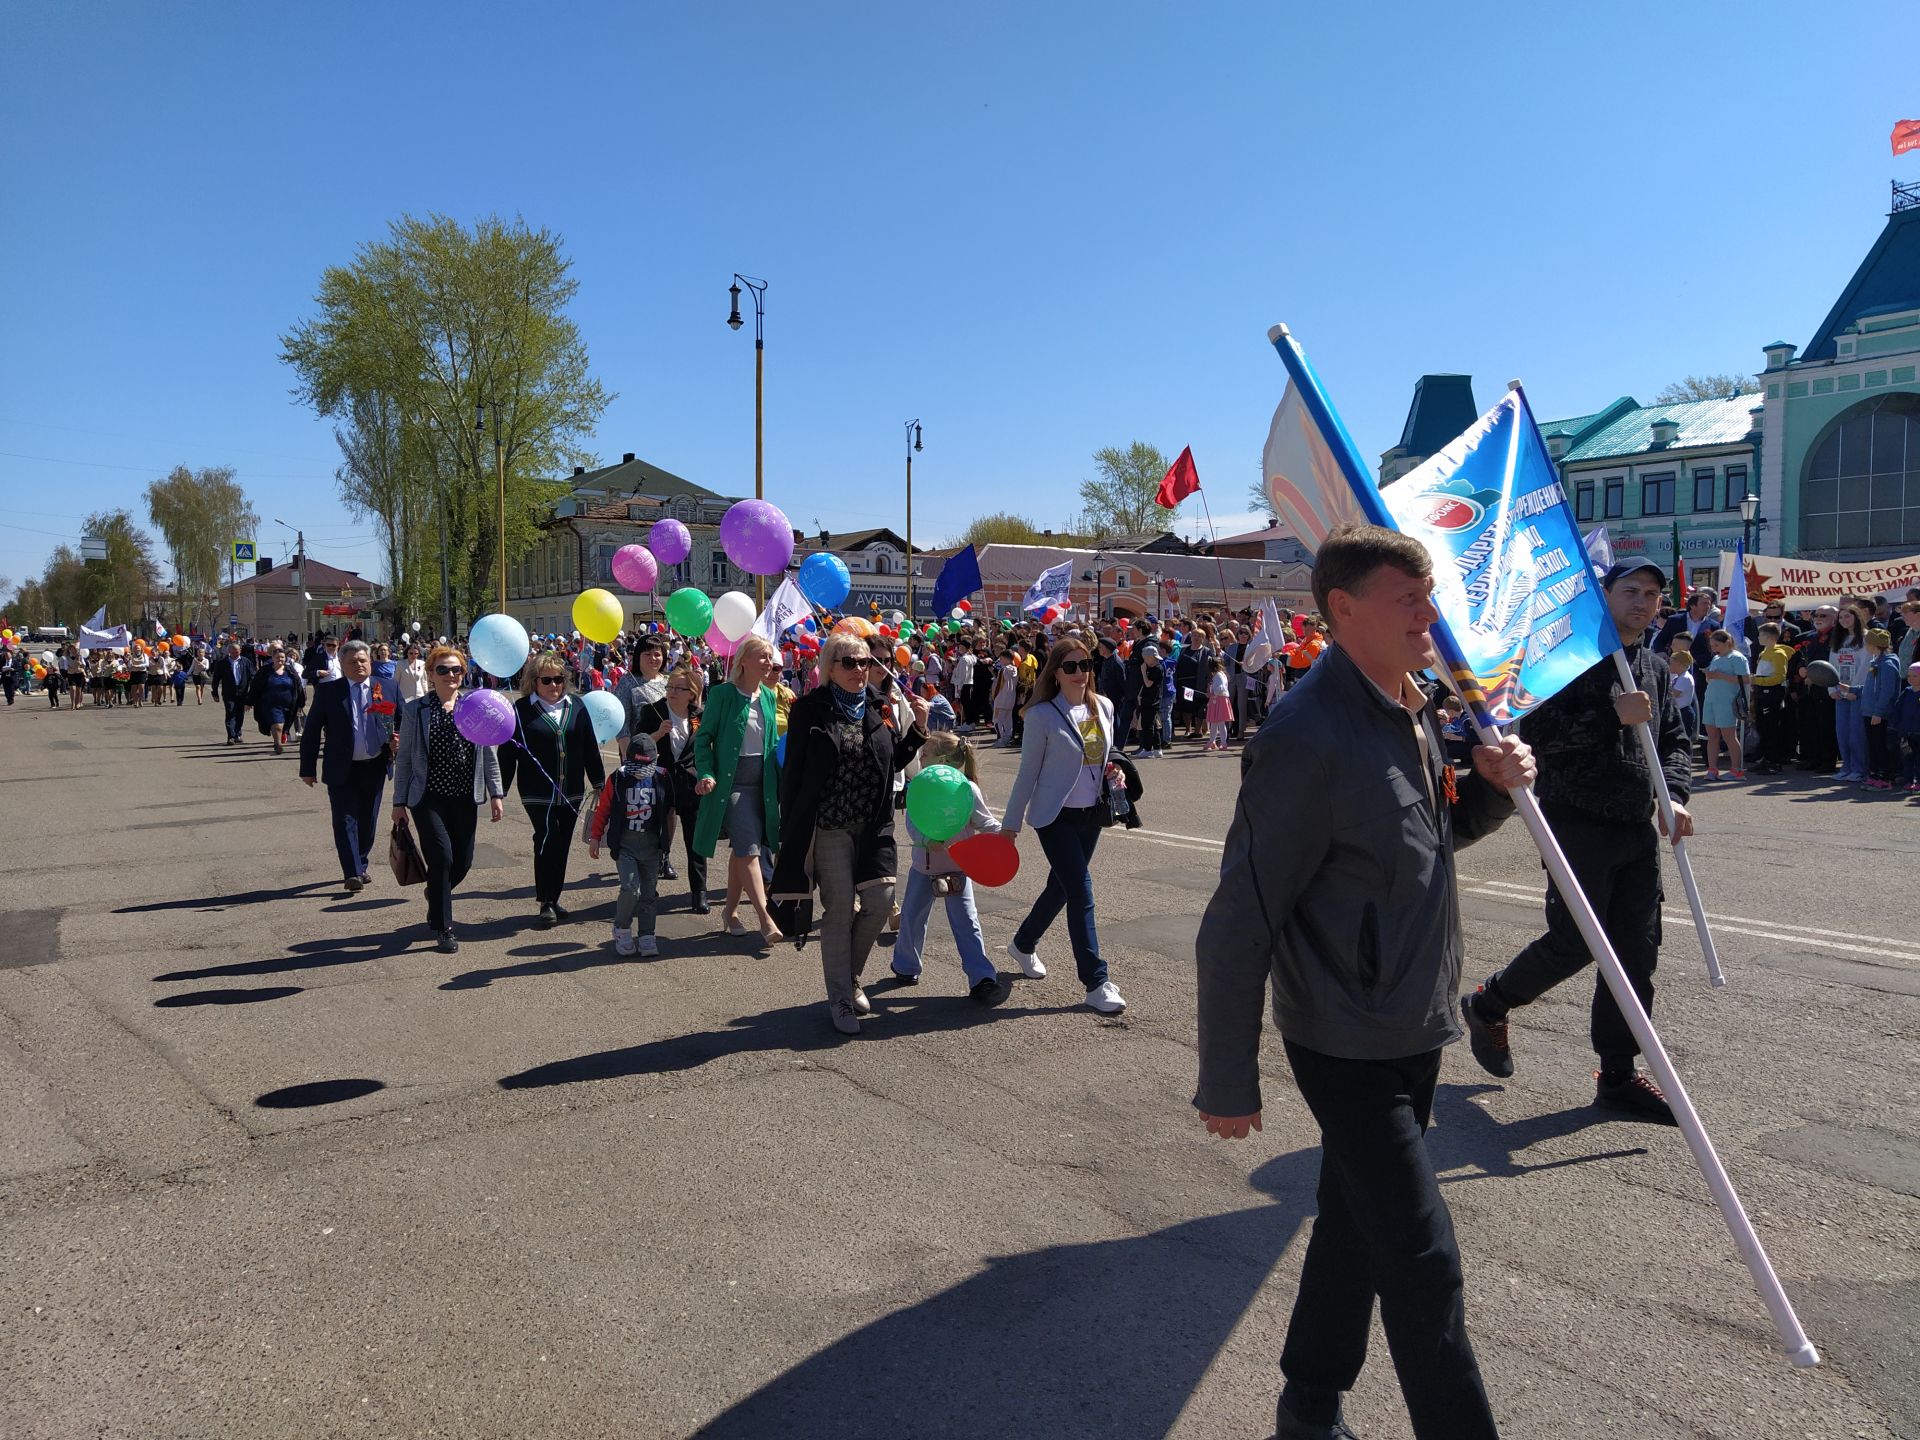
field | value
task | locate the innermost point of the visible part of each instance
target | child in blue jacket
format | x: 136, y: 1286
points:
x: 1877, y: 693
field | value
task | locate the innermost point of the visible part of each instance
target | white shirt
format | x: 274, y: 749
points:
x: 411, y: 677
x: 679, y: 733
x: 1086, y: 789
x: 963, y: 664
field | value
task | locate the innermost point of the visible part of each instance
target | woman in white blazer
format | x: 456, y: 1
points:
x: 1064, y: 762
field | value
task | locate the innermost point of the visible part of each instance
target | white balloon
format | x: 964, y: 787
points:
x: 607, y: 714
x: 733, y: 612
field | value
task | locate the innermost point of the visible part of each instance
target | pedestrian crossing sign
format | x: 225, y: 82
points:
x: 243, y: 552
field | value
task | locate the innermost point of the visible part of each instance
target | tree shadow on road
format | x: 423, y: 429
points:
x: 1107, y: 1339
x: 796, y: 1028
x: 342, y: 950
x: 227, y: 902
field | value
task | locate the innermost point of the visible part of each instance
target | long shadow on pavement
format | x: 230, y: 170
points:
x: 345, y: 950
x: 791, y: 1028
x: 223, y: 902
x: 1107, y: 1339
x: 1465, y: 1134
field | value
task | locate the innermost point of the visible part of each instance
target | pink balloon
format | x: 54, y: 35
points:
x: 757, y: 538
x: 634, y: 567
x: 718, y: 642
x: 669, y: 542
x: 484, y: 717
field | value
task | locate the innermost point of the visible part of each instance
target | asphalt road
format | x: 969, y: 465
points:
x: 271, y: 1166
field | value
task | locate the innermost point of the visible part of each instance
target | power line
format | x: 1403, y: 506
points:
x: 147, y: 469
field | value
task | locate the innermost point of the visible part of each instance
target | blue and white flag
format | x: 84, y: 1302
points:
x: 1050, y: 588
x: 1600, y: 549
x: 1734, y: 618
x: 1513, y: 578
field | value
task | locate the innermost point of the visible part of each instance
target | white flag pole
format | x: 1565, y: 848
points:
x: 1651, y: 750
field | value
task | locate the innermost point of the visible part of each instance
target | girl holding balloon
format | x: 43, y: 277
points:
x: 933, y: 873
x: 562, y: 756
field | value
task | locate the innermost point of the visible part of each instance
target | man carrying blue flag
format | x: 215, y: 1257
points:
x: 1597, y: 790
x: 1338, y: 888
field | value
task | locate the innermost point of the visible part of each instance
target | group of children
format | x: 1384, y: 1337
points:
x: 631, y: 818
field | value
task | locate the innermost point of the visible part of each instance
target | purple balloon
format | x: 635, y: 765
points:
x: 634, y: 569
x: 669, y: 542
x: 484, y: 717
x: 757, y: 537
x: 718, y: 642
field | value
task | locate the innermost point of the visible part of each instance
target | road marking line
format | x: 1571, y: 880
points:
x: 1206, y: 840
x: 1683, y: 917
x: 1537, y: 892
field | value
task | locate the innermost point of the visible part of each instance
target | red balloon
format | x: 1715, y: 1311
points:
x: 966, y: 607
x: 1299, y: 625
x: 986, y: 859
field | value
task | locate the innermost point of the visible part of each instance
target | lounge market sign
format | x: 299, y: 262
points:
x: 1803, y: 584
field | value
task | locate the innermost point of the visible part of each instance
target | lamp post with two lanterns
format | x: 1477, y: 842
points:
x: 758, y: 288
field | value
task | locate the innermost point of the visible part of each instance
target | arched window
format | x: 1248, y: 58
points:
x: 882, y: 565
x: 1861, y: 483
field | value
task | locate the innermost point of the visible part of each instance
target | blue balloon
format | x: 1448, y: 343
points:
x: 607, y: 713
x: 824, y: 580
x: 499, y: 645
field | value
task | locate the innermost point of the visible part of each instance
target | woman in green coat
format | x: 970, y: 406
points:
x: 739, y: 782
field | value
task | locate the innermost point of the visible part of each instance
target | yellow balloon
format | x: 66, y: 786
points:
x: 597, y: 615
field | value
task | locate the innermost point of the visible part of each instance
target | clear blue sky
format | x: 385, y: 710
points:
x: 1042, y: 229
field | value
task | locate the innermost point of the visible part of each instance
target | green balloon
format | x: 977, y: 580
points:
x: 689, y: 612
x: 939, y: 802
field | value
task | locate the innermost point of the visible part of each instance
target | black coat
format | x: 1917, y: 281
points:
x: 570, y: 758
x: 812, y: 756
x: 682, y: 774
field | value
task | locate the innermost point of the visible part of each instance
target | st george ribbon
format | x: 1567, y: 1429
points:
x: 1511, y: 575
x: 1317, y: 480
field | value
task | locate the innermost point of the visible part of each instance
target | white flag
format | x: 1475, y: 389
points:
x: 787, y: 608
x: 1050, y: 588
x: 99, y: 620
x: 1264, y: 646
x: 1309, y: 491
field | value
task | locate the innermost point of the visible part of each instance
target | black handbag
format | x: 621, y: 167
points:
x: 794, y: 918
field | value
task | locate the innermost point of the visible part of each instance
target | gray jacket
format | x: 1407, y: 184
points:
x: 1337, y: 883
x: 410, y: 768
x: 1051, y: 758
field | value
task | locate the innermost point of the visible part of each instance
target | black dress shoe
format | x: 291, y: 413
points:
x: 1292, y: 1427
x: 366, y: 877
x: 667, y: 872
x: 701, y: 906
x: 560, y: 912
x: 547, y: 919
x: 354, y: 884
x: 990, y: 991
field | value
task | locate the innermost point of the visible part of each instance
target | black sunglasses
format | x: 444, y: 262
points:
x: 550, y: 680
x: 449, y: 669
x: 1074, y: 667
x: 854, y: 662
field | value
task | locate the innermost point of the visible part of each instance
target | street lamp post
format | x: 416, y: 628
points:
x: 500, y: 477
x: 913, y: 444
x: 1099, y: 579
x: 758, y: 288
x: 1749, y: 514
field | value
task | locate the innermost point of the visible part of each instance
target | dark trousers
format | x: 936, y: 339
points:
x: 1123, y: 723
x: 356, y: 814
x: 1382, y: 1230
x: 236, y: 718
x: 1819, y: 748
x: 1618, y: 866
x: 1068, y: 843
x: 1770, y: 714
x: 8, y: 683
x: 1883, y: 761
x: 980, y: 699
x: 552, y: 839
x: 1149, y: 727
x: 444, y: 826
x: 686, y: 809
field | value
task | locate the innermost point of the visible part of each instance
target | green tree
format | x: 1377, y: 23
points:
x: 123, y: 581
x: 1119, y: 499
x: 200, y: 514
x: 1001, y: 528
x: 425, y: 331
x: 1707, y: 387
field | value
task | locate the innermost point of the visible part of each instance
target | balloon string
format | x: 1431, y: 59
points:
x: 553, y: 786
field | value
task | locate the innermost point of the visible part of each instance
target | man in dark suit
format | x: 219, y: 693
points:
x: 358, y: 744
x: 232, y: 678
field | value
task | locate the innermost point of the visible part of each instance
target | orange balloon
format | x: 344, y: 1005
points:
x: 902, y: 656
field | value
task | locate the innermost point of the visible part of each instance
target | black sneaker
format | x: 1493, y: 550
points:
x: 990, y: 991
x: 1292, y: 1427
x: 448, y: 945
x: 1636, y: 1096
x: 1488, y: 1039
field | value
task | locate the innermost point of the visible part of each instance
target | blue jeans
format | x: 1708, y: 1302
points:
x: 916, y: 907
x: 1122, y: 724
x: 1850, y: 731
x: 1068, y: 843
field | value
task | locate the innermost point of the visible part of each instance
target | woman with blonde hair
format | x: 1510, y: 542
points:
x: 739, y: 784
x: 1061, y: 791
x: 843, y: 750
x: 439, y: 778
x: 562, y: 756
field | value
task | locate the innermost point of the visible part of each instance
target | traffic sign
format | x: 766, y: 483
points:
x: 243, y: 552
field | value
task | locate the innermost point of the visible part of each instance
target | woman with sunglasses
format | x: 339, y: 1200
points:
x: 739, y: 785
x: 1061, y: 791
x: 438, y: 780
x: 844, y: 748
x: 561, y: 756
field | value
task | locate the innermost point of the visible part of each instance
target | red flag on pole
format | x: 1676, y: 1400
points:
x: 1906, y: 136
x: 1182, y: 480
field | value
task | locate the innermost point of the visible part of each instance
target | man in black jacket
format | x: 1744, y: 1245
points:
x: 232, y: 679
x: 1597, y: 792
x: 1338, y: 890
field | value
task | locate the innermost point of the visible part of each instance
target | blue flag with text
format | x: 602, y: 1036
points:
x: 1512, y: 575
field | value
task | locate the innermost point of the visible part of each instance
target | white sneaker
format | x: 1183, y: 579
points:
x: 1104, y: 998
x: 649, y: 947
x: 623, y: 942
x: 1030, y: 965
